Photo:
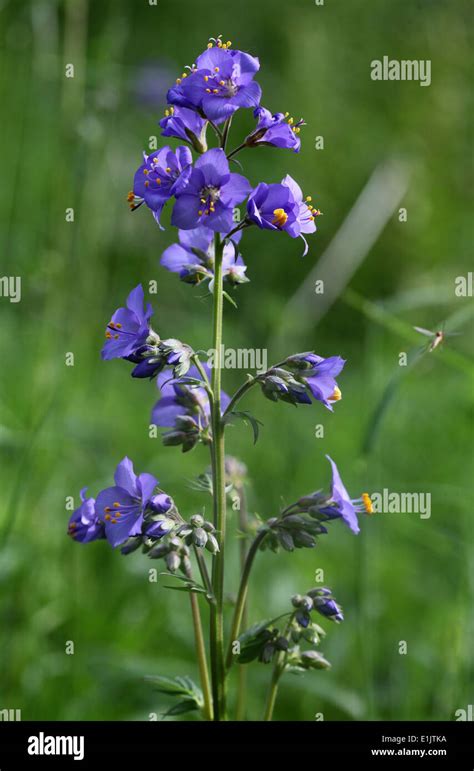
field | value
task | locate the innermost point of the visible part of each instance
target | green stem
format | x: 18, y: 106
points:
x: 243, y: 551
x: 201, y: 653
x: 203, y: 571
x: 219, y: 495
x: 242, y: 390
x: 242, y: 595
x: 238, y: 395
x: 237, y: 150
x: 202, y: 372
x: 278, y: 669
x: 225, y: 133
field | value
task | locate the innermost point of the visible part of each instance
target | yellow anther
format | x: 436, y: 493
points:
x: 158, y: 181
x: 119, y: 326
x: 145, y: 171
x: 286, y: 114
x: 147, y: 183
x: 215, y: 90
x: 368, y: 505
x: 113, y: 521
x: 208, y: 91
x: 184, y: 75
x: 108, y: 517
x: 291, y: 121
x: 280, y: 217
x: 168, y: 170
x: 167, y: 113
x: 116, y: 505
x: 203, y: 200
x: 116, y: 337
x: 229, y: 43
x: 200, y: 212
x: 308, y: 198
x: 222, y: 82
x: 206, y: 78
x: 210, y: 45
x: 178, y: 81
x: 336, y: 395
x: 171, y: 110
x: 216, y: 69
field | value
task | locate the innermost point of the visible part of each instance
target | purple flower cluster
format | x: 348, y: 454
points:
x: 129, y: 336
x: 132, y: 507
x: 193, y: 257
x: 220, y: 81
x: 184, y: 407
x: 206, y: 192
x: 310, y: 377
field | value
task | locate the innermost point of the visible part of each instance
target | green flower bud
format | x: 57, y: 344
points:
x: 212, y: 544
x: 173, y: 561
x: 199, y: 537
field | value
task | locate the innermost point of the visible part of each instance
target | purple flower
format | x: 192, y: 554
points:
x: 281, y: 207
x: 319, y: 375
x: 325, y: 604
x: 193, y: 257
x: 84, y: 525
x: 129, y: 327
x: 278, y: 384
x: 219, y: 83
x: 163, y: 174
x: 341, y: 501
x: 210, y: 195
x: 185, y: 124
x: 275, y: 130
x: 123, y: 506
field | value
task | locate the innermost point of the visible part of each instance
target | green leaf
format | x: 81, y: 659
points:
x: 183, y: 687
x: 174, y: 686
x: 180, y: 708
x: 229, y: 298
x: 188, y: 588
x: 248, y: 419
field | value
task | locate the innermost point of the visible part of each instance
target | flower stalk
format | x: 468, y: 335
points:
x: 219, y: 495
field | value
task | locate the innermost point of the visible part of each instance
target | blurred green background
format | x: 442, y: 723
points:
x: 76, y: 143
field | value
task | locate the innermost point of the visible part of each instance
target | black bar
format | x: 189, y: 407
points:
x: 138, y: 741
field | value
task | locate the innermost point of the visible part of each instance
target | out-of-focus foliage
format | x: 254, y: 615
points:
x: 76, y: 143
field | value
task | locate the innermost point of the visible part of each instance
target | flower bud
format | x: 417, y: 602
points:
x: 131, y: 544
x: 212, y: 544
x: 160, y: 503
x: 196, y: 520
x: 296, y: 600
x: 158, y: 551
x: 173, y: 561
x: 199, y: 537
x: 314, y: 660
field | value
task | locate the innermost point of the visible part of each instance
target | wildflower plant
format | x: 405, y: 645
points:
x: 202, y: 187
